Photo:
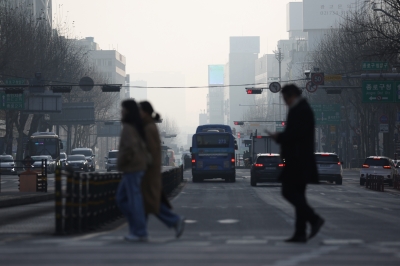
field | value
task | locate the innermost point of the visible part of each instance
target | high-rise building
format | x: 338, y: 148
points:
x: 242, y: 56
x: 215, y: 97
x: 42, y: 10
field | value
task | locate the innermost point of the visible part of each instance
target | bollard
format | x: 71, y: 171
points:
x: 68, y: 204
x: 84, y: 202
x: 91, y: 202
x: 76, y: 203
x: 58, y: 200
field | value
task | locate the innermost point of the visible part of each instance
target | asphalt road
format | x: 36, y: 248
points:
x: 227, y: 224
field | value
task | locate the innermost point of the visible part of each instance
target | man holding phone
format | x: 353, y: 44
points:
x: 297, y: 149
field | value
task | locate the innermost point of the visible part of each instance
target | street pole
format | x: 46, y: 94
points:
x: 279, y: 56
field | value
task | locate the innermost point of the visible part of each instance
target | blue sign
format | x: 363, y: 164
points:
x: 384, y: 119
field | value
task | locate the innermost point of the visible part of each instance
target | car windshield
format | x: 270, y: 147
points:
x: 326, y: 158
x: 78, y: 157
x: 39, y: 158
x: 63, y: 156
x: 112, y: 154
x: 268, y: 159
x: 212, y: 140
x: 6, y: 159
x: 84, y: 152
x: 377, y: 162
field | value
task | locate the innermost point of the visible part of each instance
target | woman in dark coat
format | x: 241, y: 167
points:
x: 155, y: 201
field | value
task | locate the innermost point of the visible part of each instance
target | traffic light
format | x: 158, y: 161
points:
x: 238, y: 123
x: 253, y: 91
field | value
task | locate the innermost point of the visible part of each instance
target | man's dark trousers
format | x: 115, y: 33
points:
x: 295, y: 194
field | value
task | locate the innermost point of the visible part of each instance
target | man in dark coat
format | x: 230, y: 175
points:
x: 297, y: 149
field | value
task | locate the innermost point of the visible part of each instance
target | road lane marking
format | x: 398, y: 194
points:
x: 228, y: 221
x: 190, y: 221
x: 246, y: 241
x: 322, y: 194
x: 295, y: 260
x: 341, y: 242
x: 387, y: 209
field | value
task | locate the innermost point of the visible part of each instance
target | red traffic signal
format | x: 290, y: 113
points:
x: 238, y: 123
x: 253, y: 91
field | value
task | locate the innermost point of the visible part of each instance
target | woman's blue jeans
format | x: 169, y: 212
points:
x: 130, y: 202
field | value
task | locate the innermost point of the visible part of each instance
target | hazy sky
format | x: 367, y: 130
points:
x: 175, y: 35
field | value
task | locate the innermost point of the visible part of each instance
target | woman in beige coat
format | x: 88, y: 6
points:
x: 155, y: 201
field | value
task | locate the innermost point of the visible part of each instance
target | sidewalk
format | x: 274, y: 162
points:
x: 10, y: 199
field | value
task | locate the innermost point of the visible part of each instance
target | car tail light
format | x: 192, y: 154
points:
x: 258, y: 165
x: 233, y: 160
x: 387, y: 167
x: 324, y: 154
x: 365, y: 166
x: 281, y: 165
x: 259, y: 137
x: 339, y: 163
x: 377, y: 158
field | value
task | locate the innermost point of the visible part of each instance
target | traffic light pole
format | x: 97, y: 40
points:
x: 279, y: 57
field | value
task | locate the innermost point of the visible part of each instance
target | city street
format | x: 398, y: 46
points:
x: 227, y: 224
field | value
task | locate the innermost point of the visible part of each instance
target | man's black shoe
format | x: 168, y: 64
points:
x: 316, y: 227
x: 297, y: 239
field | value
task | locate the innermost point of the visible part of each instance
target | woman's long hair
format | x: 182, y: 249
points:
x: 148, y: 109
x: 132, y: 116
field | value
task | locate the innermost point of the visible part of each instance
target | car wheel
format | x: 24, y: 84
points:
x: 233, y: 179
x: 339, y: 181
x: 362, y: 182
x: 253, y: 182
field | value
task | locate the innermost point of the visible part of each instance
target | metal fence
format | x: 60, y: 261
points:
x: 89, y: 199
x: 375, y: 182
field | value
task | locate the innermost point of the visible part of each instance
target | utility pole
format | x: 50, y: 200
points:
x: 279, y: 56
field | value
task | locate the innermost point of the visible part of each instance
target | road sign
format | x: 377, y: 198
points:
x: 384, y: 119
x: 384, y: 128
x: 275, y: 87
x: 12, y: 101
x: 326, y: 114
x: 280, y: 126
x: 86, y: 84
x: 378, y: 91
x: 15, y: 81
x: 311, y: 87
x: 374, y: 65
x: 317, y: 78
x: 333, y: 77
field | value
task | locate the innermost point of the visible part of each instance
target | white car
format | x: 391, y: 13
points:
x: 378, y: 165
x: 329, y: 167
x: 7, y: 164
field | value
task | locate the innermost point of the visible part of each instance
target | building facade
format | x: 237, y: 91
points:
x: 215, y: 97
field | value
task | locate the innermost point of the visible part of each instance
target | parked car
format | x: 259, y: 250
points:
x: 267, y: 168
x: 77, y: 162
x: 7, y: 165
x: 111, y: 160
x: 378, y: 165
x: 37, y: 163
x: 329, y: 167
x: 63, y: 159
x: 88, y: 153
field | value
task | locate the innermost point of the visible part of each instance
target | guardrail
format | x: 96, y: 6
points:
x: 375, y: 182
x: 89, y: 200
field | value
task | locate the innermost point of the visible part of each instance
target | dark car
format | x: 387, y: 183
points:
x: 63, y: 159
x: 49, y: 163
x: 111, y: 160
x: 266, y: 168
x: 77, y: 162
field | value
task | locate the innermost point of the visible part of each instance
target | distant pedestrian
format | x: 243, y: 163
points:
x: 297, y: 149
x: 166, y: 160
x: 132, y: 163
x: 155, y: 201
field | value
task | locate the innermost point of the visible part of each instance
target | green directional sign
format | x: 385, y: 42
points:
x: 397, y: 92
x: 378, y: 91
x: 374, y: 65
x: 326, y: 114
x: 12, y: 101
x: 15, y: 81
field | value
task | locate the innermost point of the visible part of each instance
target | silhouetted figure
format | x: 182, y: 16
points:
x: 155, y: 200
x: 297, y: 149
x: 166, y: 160
x: 133, y: 165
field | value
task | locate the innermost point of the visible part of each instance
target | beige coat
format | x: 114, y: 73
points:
x: 152, y: 181
x: 131, y: 150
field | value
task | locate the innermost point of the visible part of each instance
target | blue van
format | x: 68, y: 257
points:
x: 213, y: 156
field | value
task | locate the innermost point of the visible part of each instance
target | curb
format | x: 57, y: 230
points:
x: 24, y: 200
